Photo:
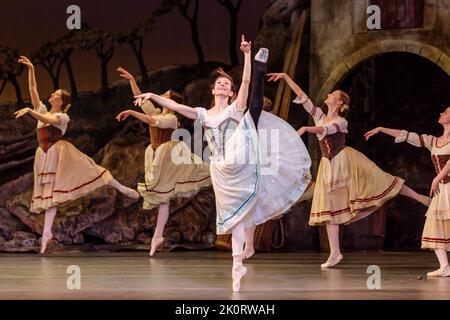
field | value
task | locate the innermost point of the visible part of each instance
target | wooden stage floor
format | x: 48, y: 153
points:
x: 207, y: 275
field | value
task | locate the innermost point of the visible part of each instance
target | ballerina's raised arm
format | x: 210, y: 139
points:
x: 191, y: 113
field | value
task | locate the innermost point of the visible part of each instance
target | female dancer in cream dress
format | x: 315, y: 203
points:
x: 349, y: 186
x: 254, y: 179
x: 436, y: 232
x: 164, y: 178
x: 62, y: 173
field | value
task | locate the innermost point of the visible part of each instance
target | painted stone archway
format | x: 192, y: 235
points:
x: 432, y: 53
x: 427, y: 51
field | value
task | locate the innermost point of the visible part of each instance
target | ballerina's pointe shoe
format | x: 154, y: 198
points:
x: 248, y: 253
x: 44, y: 242
x: 156, y: 242
x: 441, y: 272
x: 237, y: 275
x: 331, y: 262
x: 262, y: 55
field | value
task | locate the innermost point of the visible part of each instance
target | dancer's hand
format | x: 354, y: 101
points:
x: 125, y: 74
x: 301, y: 131
x: 245, y: 46
x: 151, y: 120
x: 22, y: 112
x: 434, y: 191
x: 25, y: 61
x: 276, y: 76
x: 372, y: 132
x: 142, y: 98
x: 123, y: 115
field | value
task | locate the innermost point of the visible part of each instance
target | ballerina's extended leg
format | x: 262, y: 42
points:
x: 125, y: 190
x: 257, y: 95
x: 163, y: 216
x: 335, y: 250
x: 255, y: 109
x: 249, y: 249
x: 444, y: 269
x: 48, y: 223
x: 237, y: 244
x: 410, y: 193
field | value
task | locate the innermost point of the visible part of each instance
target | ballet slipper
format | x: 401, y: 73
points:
x: 237, y: 274
x: 331, y: 262
x: 156, y: 242
x: 441, y: 272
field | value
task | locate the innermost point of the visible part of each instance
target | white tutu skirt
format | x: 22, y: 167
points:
x: 260, y: 176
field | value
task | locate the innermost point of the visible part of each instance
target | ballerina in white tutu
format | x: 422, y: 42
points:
x: 62, y: 173
x: 255, y: 179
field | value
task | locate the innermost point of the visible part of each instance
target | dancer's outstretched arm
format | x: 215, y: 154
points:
x: 163, y: 122
x: 391, y: 132
x: 140, y: 116
x: 148, y: 106
x: 47, y: 118
x: 295, y: 87
x: 126, y: 75
x: 314, y: 130
x: 36, y: 113
x: 315, y: 112
x: 417, y: 141
x: 420, y: 141
x: 339, y: 125
x: 186, y: 111
x: 242, y: 96
x: 35, y: 100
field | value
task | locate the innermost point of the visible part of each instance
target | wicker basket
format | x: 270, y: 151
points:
x: 263, y: 240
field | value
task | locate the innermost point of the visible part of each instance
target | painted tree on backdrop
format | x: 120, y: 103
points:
x: 66, y: 46
x: 47, y: 57
x: 136, y: 41
x: 233, y: 11
x: 184, y: 7
x: 104, y: 44
x: 10, y: 70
